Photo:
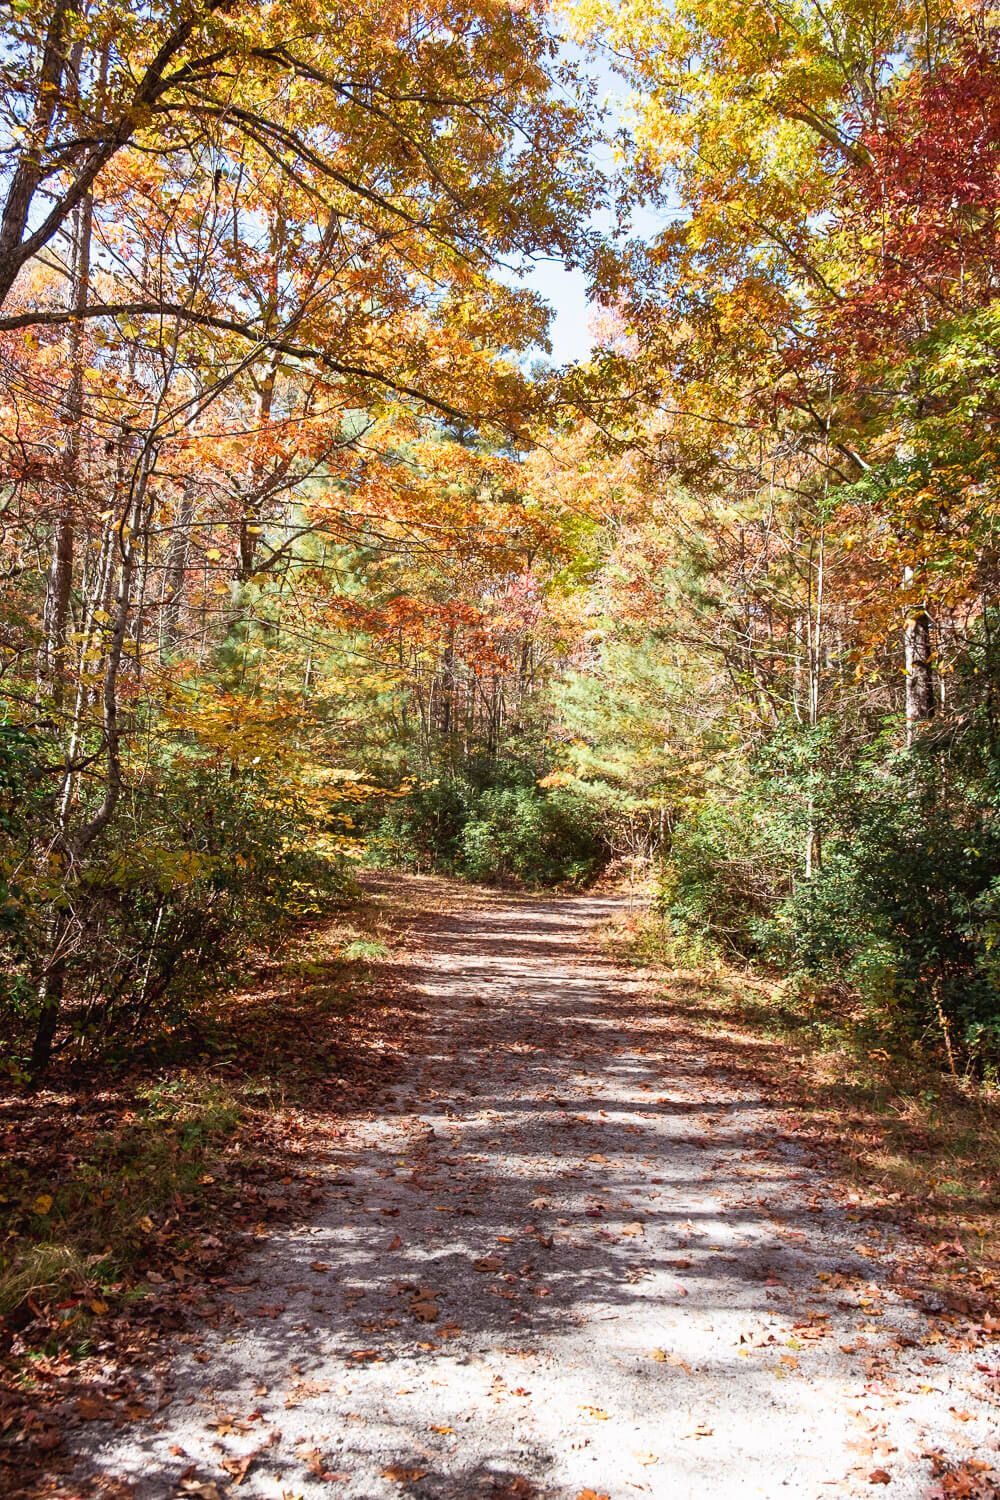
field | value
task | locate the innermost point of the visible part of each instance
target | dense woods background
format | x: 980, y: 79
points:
x: 310, y: 557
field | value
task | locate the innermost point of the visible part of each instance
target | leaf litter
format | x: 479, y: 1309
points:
x: 529, y: 1021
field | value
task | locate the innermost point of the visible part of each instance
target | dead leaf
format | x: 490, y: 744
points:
x: 238, y: 1467
x: 663, y: 1358
x: 596, y: 1413
x: 93, y: 1408
x: 400, y: 1475
x: 880, y: 1476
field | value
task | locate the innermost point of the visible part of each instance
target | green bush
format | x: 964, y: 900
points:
x: 514, y: 830
x: 423, y: 830
x: 197, y: 865
x: 902, y: 907
x: 906, y: 907
x: 540, y: 838
x: 719, y: 888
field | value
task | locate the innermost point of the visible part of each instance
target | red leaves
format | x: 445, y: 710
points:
x: 930, y: 190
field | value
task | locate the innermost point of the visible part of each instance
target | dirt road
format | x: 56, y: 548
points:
x: 570, y: 1260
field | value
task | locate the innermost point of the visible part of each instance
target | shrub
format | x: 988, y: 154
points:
x: 508, y: 829
x: 541, y: 838
x: 902, y: 907
x: 718, y: 888
x: 195, y: 867
x: 423, y: 830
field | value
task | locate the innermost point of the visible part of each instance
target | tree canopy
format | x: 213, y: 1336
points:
x: 311, y: 557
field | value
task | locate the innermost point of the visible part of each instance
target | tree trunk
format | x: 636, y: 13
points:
x: 50, y: 998
x: 60, y: 580
x: 174, y: 572
x: 920, y: 702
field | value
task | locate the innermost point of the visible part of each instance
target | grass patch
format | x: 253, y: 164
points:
x: 364, y: 950
x: 78, y: 1224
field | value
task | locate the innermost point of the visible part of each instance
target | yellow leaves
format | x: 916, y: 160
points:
x: 663, y: 1358
x: 42, y: 1204
x: 162, y: 868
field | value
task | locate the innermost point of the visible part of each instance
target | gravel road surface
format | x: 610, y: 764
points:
x: 570, y: 1259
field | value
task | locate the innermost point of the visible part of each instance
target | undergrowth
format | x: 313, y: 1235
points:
x: 115, y: 1182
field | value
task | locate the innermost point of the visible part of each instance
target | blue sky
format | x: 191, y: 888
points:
x: 566, y: 292
x: 563, y: 289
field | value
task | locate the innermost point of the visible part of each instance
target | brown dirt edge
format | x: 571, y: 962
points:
x: 297, y: 1072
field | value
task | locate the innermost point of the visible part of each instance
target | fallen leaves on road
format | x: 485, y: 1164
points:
x: 663, y: 1358
x: 424, y: 1308
x: 401, y: 1475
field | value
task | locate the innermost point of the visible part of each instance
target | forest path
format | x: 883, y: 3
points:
x: 570, y: 1259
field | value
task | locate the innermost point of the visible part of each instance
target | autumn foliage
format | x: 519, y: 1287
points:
x: 308, y: 559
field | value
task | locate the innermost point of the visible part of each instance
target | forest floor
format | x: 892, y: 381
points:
x: 574, y: 1247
